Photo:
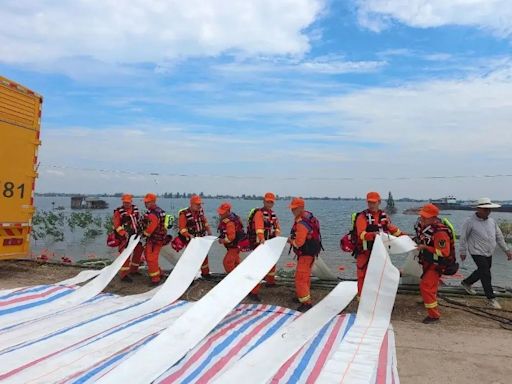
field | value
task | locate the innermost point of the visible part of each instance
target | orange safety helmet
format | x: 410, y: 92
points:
x: 224, y: 208
x: 149, y: 197
x: 296, y: 203
x: 373, y: 197
x: 195, y: 199
x: 428, y: 211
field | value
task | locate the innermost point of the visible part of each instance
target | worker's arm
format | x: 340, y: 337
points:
x: 300, y: 235
x: 259, y: 226
x: 361, y: 229
x: 182, y: 224
x: 441, y: 247
x: 116, y: 220
x: 152, y: 225
x: 230, y: 233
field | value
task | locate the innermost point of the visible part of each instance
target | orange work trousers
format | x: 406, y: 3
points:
x: 231, y: 259
x: 205, y: 267
x: 269, y: 278
x: 152, y: 251
x: 131, y: 265
x: 428, y: 289
x: 362, y: 265
x: 303, y: 278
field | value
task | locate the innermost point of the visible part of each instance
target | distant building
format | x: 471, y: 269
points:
x: 84, y: 202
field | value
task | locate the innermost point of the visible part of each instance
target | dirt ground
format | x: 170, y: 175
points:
x: 463, y: 348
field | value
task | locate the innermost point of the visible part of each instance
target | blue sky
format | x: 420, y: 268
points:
x: 300, y: 97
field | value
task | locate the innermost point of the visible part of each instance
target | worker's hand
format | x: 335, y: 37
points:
x: 463, y: 257
x: 509, y: 255
x: 421, y: 247
x: 260, y: 241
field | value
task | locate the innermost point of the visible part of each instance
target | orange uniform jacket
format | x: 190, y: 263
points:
x: 301, y: 234
x: 182, y: 224
x: 441, y: 246
x: 154, y: 221
x: 259, y: 225
x: 230, y: 231
x: 116, y: 220
x: 361, y: 224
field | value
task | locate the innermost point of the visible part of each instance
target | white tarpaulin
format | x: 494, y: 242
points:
x: 79, y: 296
x: 262, y: 363
x: 28, y: 345
x: 78, y: 279
x: 356, y: 358
x: 398, y: 245
x: 191, y: 327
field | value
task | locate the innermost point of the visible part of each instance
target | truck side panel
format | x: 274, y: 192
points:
x: 20, y: 115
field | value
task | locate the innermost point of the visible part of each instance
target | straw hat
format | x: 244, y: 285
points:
x: 485, y: 202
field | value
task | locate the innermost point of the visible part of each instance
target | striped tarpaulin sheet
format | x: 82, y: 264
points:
x: 244, y: 328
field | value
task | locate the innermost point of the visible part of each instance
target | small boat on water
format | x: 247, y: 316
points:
x: 450, y: 203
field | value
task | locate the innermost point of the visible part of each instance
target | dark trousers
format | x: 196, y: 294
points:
x: 483, y: 273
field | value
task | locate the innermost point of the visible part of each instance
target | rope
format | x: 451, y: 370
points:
x: 504, y: 322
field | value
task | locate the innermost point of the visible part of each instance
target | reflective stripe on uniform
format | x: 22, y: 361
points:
x: 305, y: 299
x: 431, y: 305
x: 157, y: 273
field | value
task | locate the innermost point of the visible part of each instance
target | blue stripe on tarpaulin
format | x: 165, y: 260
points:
x: 306, y: 358
x: 23, y: 291
x: 35, y: 303
x: 207, y: 358
x: 223, y: 346
x: 67, y: 329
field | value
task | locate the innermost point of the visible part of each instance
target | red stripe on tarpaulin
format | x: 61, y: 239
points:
x: 234, y: 350
x: 196, y: 356
x: 4, y: 303
x: 382, y: 367
x: 322, y: 358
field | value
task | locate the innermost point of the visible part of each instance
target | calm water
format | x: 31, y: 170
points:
x: 334, y: 216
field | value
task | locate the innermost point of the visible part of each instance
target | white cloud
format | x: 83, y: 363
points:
x: 141, y: 31
x: 492, y: 15
x: 327, y: 65
x: 412, y: 118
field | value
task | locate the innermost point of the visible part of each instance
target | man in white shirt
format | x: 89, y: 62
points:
x: 478, y: 237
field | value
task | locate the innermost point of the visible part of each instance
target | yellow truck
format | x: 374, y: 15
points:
x: 20, y: 123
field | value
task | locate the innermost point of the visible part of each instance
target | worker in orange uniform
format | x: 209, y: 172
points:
x: 369, y: 223
x: 192, y: 222
x: 262, y: 225
x: 231, y: 231
x: 436, y: 247
x: 126, y: 221
x: 306, y: 241
x: 154, y: 232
